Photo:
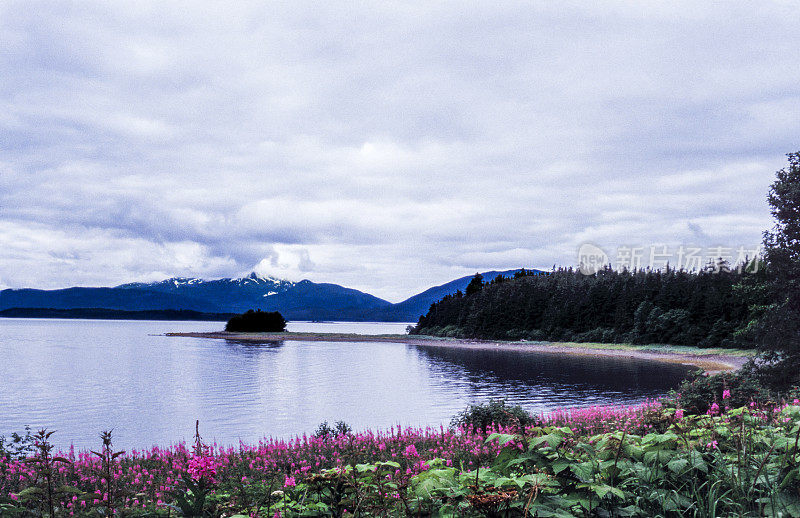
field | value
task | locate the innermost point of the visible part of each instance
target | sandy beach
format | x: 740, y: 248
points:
x: 710, y: 360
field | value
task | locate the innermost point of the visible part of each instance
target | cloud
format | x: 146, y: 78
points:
x: 386, y: 147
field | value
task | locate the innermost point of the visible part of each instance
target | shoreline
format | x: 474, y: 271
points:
x: 712, y: 361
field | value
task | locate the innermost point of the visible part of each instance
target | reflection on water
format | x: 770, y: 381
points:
x: 252, y: 344
x: 81, y: 377
x: 545, y: 381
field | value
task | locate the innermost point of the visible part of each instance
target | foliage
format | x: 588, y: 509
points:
x: 670, y: 306
x: 743, y: 463
x: 193, y: 499
x: 43, y: 493
x: 108, y: 458
x: 495, y: 412
x: 645, y: 461
x: 475, y: 284
x: 778, y: 330
x: 324, y: 430
x: 17, y: 446
x: 257, y: 321
x: 727, y: 389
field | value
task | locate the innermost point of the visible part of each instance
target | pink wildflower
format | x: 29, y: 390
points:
x: 679, y: 414
x: 202, y: 467
x: 290, y: 482
x: 726, y: 394
x: 411, y: 451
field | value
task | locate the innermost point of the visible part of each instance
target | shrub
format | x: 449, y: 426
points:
x: 537, y: 335
x: 731, y: 389
x: 257, y: 321
x: 609, y: 336
x: 451, y: 331
x: 515, y: 334
x: 600, y: 334
x: 495, y: 412
x: 17, y: 446
x: 324, y: 430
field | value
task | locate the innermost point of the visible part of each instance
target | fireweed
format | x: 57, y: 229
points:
x: 384, y: 469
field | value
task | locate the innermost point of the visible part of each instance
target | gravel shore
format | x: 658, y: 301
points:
x: 711, y: 361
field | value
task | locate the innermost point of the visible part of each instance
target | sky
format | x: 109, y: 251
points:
x: 384, y: 146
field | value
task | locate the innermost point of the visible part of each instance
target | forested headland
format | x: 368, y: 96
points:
x: 709, y: 308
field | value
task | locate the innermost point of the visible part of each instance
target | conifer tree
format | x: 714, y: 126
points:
x: 779, y: 331
x: 475, y: 285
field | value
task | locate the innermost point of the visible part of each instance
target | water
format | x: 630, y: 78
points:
x: 362, y: 328
x: 80, y: 377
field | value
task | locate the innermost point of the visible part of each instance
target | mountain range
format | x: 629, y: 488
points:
x: 304, y: 300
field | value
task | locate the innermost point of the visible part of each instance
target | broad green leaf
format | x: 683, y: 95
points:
x: 677, y: 465
x: 560, y: 465
x: 501, y: 438
x: 697, y: 462
x: 602, y: 490
x: 552, y: 440
x: 583, y: 471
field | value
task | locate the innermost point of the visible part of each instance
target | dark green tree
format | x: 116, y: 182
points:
x: 475, y: 285
x: 778, y: 332
x: 257, y: 321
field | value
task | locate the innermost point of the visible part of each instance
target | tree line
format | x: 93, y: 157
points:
x: 710, y: 308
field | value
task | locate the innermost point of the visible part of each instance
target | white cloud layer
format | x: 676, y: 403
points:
x: 386, y: 146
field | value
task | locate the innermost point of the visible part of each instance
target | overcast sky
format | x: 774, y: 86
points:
x: 383, y: 146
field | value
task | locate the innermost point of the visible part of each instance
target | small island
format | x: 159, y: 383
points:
x: 257, y: 322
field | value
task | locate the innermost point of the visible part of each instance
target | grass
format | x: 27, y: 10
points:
x: 659, y: 348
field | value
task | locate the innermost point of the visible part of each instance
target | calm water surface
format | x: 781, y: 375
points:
x: 80, y: 377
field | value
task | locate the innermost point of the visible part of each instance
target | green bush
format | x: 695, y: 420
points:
x: 700, y: 391
x: 257, y: 321
x: 496, y: 411
x: 741, y: 463
x: 324, y: 430
x: 18, y: 446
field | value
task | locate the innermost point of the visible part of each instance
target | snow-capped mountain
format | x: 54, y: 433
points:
x: 253, y: 282
x: 228, y: 294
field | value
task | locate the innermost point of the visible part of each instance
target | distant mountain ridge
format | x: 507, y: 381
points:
x: 304, y: 300
x: 115, y: 314
x: 108, y: 298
